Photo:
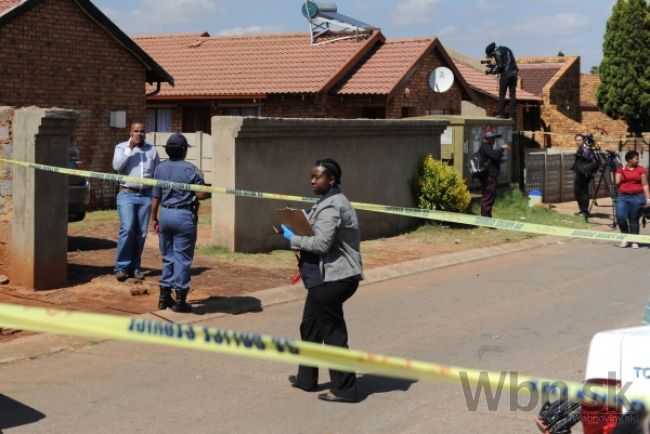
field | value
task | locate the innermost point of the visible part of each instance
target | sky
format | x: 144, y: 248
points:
x: 528, y: 27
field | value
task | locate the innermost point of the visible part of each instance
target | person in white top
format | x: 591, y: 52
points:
x: 134, y: 157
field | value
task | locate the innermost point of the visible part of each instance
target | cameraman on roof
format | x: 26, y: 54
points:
x: 506, y: 66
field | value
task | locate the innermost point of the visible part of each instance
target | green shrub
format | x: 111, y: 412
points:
x: 438, y: 186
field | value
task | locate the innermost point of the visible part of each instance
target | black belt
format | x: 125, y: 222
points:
x: 133, y: 189
x: 188, y: 207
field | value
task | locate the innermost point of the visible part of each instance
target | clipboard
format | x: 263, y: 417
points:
x: 296, y: 220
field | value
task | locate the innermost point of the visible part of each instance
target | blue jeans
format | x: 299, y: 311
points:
x: 627, y: 212
x: 177, y: 240
x: 134, y: 210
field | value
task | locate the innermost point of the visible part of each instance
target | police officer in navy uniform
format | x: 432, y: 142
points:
x: 176, y: 223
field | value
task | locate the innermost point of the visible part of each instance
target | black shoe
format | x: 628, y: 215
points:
x: 121, y: 275
x: 329, y: 396
x: 181, y: 305
x: 297, y: 383
x: 165, y: 299
x: 137, y: 274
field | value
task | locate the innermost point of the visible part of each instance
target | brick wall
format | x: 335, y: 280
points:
x: 593, y: 119
x: 419, y: 95
x: 561, y: 104
x: 54, y: 55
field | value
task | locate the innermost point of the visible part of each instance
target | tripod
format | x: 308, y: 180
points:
x: 607, y: 173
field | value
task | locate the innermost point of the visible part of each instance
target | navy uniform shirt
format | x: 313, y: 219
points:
x: 177, y: 171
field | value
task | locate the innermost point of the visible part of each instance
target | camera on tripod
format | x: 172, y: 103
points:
x: 612, y: 160
x: 489, y: 66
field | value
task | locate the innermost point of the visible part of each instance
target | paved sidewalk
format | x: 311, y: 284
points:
x: 602, y: 213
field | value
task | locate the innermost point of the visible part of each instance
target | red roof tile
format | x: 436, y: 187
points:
x: 205, y: 66
x: 488, y: 84
x: 534, y: 76
x: 8, y: 4
x: 387, y: 66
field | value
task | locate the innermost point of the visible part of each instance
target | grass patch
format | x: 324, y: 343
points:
x: 512, y: 206
x: 95, y: 219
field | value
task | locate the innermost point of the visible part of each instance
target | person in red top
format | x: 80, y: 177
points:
x: 633, y: 193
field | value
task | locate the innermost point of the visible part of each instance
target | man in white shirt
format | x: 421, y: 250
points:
x: 135, y: 157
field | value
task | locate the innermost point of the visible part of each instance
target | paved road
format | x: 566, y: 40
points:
x: 532, y: 311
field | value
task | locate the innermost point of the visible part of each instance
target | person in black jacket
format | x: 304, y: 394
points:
x: 584, y: 166
x: 506, y: 67
x: 489, y: 177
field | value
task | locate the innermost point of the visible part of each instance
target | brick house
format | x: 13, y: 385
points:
x: 284, y: 75
x: 569, y: 102
x: 68, y: 54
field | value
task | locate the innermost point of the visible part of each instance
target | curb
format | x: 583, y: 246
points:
x: 43, y: 344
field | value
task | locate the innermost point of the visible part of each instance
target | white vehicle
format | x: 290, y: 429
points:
x: 622, y: 358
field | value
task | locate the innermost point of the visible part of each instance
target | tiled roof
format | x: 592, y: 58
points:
x: 487, y: 84
x: 535, y: 76
x: 8, y: 4
x: 239, y: 66
x: 387, y: 66
x: 588, y: 85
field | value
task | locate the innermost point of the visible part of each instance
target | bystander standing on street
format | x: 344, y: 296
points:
x: 134, y: 157
x: 633, y: 193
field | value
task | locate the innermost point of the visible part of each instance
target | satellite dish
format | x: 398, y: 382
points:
x: 441, y: 79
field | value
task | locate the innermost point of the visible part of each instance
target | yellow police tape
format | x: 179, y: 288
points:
x: 297, y: 352
x: 401, y: 211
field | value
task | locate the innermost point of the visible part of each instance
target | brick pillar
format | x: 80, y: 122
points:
x: 37, y: 249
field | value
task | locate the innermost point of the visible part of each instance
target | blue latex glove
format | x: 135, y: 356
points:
x: 286, y: 232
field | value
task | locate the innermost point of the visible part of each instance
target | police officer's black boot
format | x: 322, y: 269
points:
x: 165, y: 299
x: 181, y: 305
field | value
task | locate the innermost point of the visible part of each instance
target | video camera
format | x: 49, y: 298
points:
x: 489, y: 66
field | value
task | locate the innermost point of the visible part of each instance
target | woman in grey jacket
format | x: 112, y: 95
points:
x: 330, y: 266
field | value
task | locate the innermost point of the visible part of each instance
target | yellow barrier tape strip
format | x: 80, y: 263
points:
x: 298, y: 352
x: 467, y: 219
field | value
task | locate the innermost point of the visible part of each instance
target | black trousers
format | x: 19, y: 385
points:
x: 508, y: 81
x: 322, y: 322
x: 581, y: 191
x: 488, y: 194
